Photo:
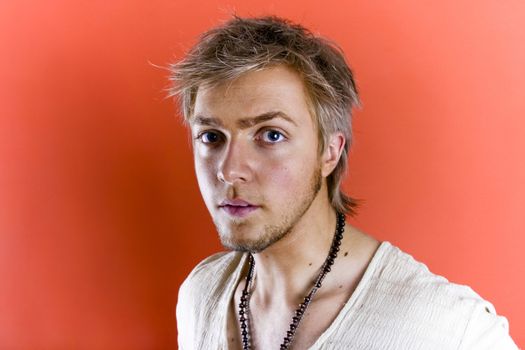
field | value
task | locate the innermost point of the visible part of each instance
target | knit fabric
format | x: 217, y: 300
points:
x: 398, y: 304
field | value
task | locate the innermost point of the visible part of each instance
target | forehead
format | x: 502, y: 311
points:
x: 274, y: 89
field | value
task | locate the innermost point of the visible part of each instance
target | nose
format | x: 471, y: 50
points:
x: 235, y: 167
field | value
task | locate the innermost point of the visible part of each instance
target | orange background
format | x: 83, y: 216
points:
x: 100, y: 214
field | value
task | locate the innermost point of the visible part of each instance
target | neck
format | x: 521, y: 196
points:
x: 286, y: 270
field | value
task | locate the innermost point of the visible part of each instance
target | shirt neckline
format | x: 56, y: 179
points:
x: 361, y: 287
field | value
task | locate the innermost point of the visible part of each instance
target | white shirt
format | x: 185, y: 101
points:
x: 398, y: 304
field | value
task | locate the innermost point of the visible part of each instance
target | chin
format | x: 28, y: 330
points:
x: 236, y: 240
x: 244, y: 246
x: 262, y: 239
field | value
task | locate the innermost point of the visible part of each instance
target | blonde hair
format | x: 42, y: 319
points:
x: 242, y: 45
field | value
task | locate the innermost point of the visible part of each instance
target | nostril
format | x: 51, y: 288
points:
x: 220, y: 176
x: 232, y: 175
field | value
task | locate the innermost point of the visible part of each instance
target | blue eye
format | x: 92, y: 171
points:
x: 273, y: 136
x: 209, y: 137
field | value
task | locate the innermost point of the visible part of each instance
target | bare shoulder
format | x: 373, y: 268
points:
x: 360, y: 244
x: 356, y: 252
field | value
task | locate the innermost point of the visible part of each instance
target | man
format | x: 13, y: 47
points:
x: 268, y: 105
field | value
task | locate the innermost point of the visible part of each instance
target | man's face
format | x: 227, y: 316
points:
x: 256, y: 160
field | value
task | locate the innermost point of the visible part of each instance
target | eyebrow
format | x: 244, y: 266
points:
x: 244, y: 123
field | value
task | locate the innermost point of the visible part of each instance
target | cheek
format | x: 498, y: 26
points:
x: 206, y: 175
x: 285, y: 177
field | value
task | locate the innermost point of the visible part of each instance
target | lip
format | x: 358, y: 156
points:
x: 238, y: 207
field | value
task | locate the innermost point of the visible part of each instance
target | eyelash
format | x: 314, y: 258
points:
x: 274, y: 131
x: 200, y: 136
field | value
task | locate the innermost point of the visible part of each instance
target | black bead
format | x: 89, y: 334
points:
x: 245, y: 297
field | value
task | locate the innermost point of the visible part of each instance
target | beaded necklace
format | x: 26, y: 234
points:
x: 244, y: 305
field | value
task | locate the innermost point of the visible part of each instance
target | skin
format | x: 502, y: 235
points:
x: 273, y: 163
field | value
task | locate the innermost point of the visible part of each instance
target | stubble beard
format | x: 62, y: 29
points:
x: 272, y: 233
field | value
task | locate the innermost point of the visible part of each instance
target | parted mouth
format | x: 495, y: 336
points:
x: 238, y: 208
x: 236, y: 203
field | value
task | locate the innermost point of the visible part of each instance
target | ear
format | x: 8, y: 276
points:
x: 332, y: 153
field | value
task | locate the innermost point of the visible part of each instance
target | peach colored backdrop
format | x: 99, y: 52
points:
x: 100, y: 214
